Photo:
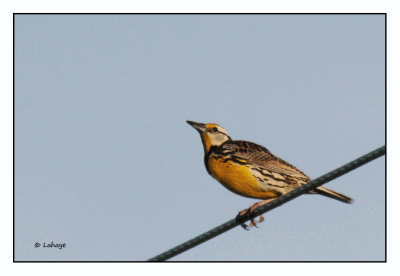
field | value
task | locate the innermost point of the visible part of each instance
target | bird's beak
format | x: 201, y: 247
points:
x: 199, y: 127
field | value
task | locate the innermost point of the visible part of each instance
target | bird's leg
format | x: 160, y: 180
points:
x: 247, y: 214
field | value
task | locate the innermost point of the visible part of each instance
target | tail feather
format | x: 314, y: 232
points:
x: 332, y: 194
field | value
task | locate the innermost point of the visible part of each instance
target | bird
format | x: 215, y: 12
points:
x: 251, y: 170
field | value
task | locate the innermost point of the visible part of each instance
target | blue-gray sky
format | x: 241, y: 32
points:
x: 105, y: 162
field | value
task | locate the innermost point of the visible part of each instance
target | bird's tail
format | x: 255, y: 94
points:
x: 332, y: 194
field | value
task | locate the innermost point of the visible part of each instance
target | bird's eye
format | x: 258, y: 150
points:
x: 215, y: 129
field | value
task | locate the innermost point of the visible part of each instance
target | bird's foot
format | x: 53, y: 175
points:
x: 246, y: 214
x: 249, y: 214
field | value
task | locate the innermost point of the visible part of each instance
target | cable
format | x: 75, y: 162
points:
x: 273, y: 204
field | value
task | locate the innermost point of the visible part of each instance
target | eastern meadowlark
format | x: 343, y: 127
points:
x: 250, y: 170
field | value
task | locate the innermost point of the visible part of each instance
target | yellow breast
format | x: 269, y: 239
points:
x: 237, y: 178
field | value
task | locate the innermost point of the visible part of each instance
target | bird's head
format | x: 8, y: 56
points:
x: 211, y: 134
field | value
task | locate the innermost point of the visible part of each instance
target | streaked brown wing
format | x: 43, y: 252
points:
x: 257, y: 155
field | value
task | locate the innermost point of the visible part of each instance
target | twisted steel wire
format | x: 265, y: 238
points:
x: 273, y: 204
